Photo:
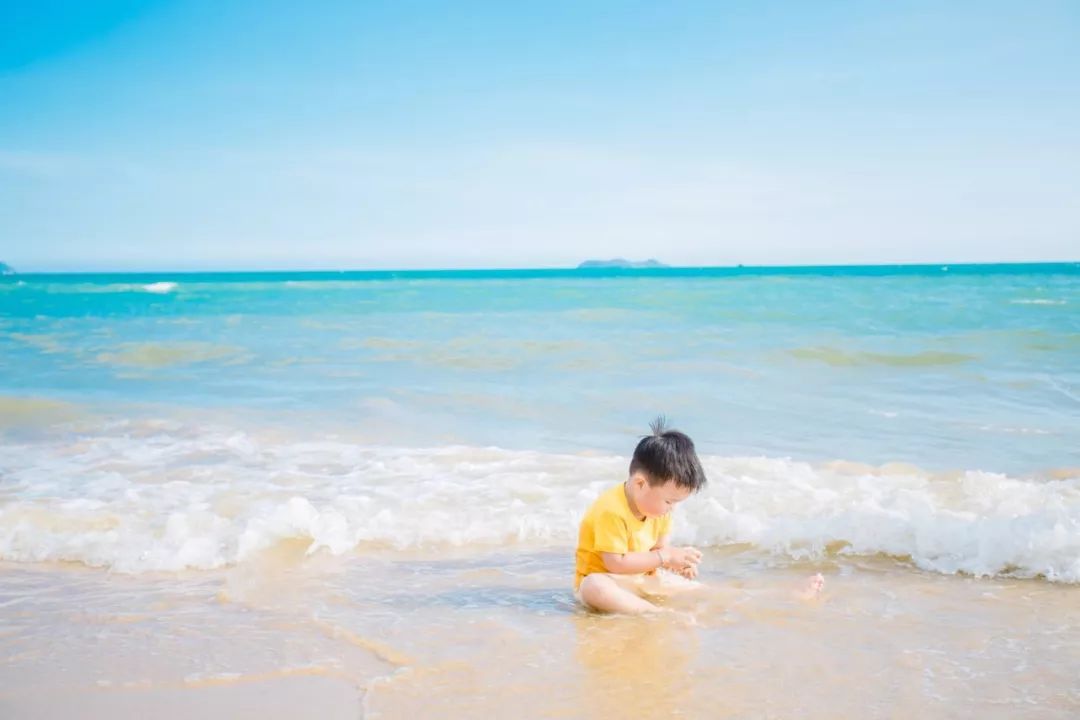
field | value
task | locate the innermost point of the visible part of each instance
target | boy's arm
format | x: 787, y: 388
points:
x: 677, y: 558
x: 630, y: 563
x: 611, y: 537
x: 610, y: 532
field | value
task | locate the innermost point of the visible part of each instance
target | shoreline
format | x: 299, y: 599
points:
x: 494, y: 632
x: 945, y: 268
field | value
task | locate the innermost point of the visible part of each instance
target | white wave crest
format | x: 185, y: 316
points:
x: 160, y: 288
x: 176, y: 497
x: 1038, y: 301
x: 163, y: 287
x: 973, y: 522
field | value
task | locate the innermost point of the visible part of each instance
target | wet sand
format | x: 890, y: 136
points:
x: 472, y: 634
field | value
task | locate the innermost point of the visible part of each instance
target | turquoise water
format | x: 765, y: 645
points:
x: 965, y: 367
x: 171, y: 421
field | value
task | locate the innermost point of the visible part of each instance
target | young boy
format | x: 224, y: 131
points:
x: 624, y: 536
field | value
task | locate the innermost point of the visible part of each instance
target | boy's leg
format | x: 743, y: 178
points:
x: 664, y: 583
x: 601, y: 591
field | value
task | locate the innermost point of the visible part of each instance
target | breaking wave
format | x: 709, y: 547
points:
x: 165, y: 497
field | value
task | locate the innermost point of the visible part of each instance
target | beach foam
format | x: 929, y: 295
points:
x: 168, y: 496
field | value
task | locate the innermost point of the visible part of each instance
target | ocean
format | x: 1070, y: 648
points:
x: 358, y: 492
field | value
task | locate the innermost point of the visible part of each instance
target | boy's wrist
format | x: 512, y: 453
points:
x: 660, y: 555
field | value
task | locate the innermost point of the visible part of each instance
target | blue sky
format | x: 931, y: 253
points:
x: 185, y: 135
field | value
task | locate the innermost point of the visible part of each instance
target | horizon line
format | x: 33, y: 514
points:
x: 942, y: 265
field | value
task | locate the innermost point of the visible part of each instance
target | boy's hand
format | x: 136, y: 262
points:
x: 682, y: 558
x: 689, y: 573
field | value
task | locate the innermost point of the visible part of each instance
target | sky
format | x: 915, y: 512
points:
x: 332, y: 135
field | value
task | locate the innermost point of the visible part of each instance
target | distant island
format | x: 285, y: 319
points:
x: 6, y: 269
x: 621, y: 263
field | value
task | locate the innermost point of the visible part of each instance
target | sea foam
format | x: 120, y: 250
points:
x: 169, y: 497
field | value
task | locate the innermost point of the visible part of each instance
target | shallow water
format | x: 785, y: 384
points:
x: 497, y: 634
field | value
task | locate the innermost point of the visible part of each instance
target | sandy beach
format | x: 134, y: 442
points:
x: 498, y: 634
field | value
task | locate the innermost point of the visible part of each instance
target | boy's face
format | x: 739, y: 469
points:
x: 656, y: 500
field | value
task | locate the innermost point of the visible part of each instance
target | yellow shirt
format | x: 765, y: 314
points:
x: 610, y: 526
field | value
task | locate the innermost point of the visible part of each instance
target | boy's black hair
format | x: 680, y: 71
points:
x: 668, y: 455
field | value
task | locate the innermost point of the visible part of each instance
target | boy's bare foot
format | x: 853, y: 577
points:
x: 811, y: 588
